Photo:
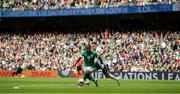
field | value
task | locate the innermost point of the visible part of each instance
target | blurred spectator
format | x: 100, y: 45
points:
x: 58, y: 4
x: 136, y: 51
x: 1, y: 3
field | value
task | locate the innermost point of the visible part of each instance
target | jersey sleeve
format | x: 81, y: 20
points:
x: 83, y: 54
x: 95, y: 54
x: 98, y: 49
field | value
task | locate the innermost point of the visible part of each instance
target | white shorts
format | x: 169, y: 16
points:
x: 89, y: 68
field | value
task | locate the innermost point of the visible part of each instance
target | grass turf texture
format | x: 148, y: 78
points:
x: 68, y: 86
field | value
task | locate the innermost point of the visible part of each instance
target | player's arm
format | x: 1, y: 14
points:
x: 100, y: 51
x: 81, y: 57
x: 99, y: 57
x: 77, y: 62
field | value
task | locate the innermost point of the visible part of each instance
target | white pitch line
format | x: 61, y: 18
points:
x: 90, y: 86
x: 16, y: 87
x: 89, y: 93
x: 72, y: 86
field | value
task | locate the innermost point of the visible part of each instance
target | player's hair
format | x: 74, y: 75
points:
x: 88, y: 47
x: 94, y: 43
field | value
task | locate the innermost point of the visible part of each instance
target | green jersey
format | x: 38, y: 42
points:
x: 89, y: 58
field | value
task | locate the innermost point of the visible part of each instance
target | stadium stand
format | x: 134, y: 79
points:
x: 143, y: 51
x: 137, y: 51
x: 60, y: 4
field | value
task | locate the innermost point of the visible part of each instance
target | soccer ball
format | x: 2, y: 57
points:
x: 80, y: 82
x: 22, y: 76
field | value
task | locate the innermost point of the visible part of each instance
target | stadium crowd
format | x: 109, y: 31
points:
x: 144, y: 51
x: 59, y: 4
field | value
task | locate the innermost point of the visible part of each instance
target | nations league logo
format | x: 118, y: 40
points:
x: 142, y: 75
x: 65, y: 73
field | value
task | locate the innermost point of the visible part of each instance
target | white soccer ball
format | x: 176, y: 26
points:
x: 80, y: 82
x: 22, y: 76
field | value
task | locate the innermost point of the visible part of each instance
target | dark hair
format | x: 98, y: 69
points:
x: 94, y: 43
x: 88, y: 47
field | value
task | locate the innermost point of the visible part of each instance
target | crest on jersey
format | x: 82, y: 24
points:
x: 88, y: 57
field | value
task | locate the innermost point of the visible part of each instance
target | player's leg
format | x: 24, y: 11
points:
x: 106, y: 72
x: 79, y: 70
x: 114, y: 78
x: 97, y: 67
x: 88, y: 71
x: 109, y: 75
x: 106, y: 67
x: 92, y: 79
x: 14, y: 73
x: 82, y: 80
x: 18, y: 71
x: 86, y: 82
x: 85, y: 76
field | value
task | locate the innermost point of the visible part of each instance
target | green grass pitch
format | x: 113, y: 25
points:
x: 68, y: 86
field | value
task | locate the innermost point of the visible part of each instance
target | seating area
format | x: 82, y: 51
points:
x: 61, y: 4
x: 140, y: 51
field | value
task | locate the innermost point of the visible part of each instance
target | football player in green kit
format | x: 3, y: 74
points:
x: 89, y: 64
